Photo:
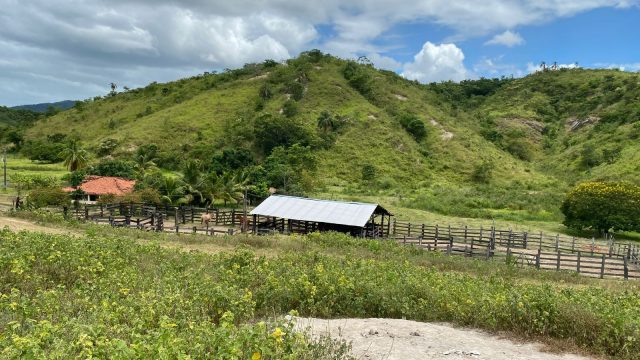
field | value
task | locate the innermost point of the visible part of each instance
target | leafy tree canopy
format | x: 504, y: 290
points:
x: 603, y: 206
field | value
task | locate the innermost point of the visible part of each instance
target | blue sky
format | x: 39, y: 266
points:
x: 69, y: 50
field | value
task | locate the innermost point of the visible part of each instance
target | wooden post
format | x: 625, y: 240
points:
x: 86, y: 213
x: 449, y: 249
x: 573, y: 244
x: 526, y: 238
x: 602, y: 268
x: 193, y: 214
x: 558, y: 262
x: 233, y: 217
x: 422, y: 231
x: 101, y: 211
x: 195, y: 229
x: 557, y: 242
x: 382, y: 226
x: 394, y: 226
x: 493, y: 238
x: 488, y: 251
x: 404, y: 239
x: 420, y: 241
x: 508, y: 255
x: 626, y: 268
x: 538, y: 259
x: 217, y: 215
x: 437, y: 231
x: 578, y: 266
x: 177, y: 228
x: 255, y: 224
x: 389, y: 226
x: 449, y: 231
x: 466, y: 230
x: 540, y: 243
x: 409, y: 229
x: 472, y: 243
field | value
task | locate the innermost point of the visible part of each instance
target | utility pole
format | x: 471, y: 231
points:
x: 4, y: 167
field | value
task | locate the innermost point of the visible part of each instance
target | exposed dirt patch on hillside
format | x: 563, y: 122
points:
x: 400, y: 97
x: 445, y: 135
x: 574, y: 124
x: 395, y: 339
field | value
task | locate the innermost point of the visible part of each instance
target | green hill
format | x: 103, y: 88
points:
x: 505, y: 148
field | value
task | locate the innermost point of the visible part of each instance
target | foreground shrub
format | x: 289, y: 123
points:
x: 63, y: 297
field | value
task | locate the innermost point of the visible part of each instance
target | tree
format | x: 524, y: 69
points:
x: 325, y: 121
x: 75, y: 157
x: 145, y: 158
x: 603, y: 206
x: 292, y: 169
x: 272, y: 131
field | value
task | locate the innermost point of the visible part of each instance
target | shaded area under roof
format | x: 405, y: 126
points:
x: 320, y: 211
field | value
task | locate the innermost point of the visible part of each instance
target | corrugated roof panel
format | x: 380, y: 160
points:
x: 315, y: 210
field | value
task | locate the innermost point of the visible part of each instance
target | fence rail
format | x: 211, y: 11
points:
x: 591, y: 257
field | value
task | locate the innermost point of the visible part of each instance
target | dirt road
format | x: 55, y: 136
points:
x: 395, y: 339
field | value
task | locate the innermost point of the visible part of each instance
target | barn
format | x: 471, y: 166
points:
x: 291, y: 214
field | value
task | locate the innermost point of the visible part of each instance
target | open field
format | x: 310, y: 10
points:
x: 129, y: 274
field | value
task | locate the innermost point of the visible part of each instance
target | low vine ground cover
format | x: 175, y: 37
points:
x: 108, y: 296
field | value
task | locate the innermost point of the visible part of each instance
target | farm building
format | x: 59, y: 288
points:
x: 301, y: 215
x: 95, y: 186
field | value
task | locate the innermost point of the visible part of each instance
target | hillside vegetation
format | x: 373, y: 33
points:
x: 499, y: 148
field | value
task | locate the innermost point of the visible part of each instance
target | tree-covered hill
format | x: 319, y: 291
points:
x: 505, y: 148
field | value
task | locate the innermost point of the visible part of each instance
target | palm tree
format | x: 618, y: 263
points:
x: 143, y: 165
x: 543, y: 66
x: 74, y: 156
x: 172, y: 190
x: 325, y: 121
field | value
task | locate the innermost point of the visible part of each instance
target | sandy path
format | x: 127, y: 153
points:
x: 15, y: 224
x: 394, y: 339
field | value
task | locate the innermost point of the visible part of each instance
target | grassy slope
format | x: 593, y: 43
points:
x: 431, y: 175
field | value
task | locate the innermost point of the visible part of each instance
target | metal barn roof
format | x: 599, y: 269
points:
x: 314, y: 210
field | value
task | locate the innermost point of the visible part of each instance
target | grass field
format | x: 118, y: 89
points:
x: 144, y: 294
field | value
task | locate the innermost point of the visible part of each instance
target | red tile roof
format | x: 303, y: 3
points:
x: 102, y: 185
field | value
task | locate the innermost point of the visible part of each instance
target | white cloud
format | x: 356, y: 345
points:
x: 436, y: 63
x: 532, y: 68
x: 138, y: 41
x: 507, y: 38
x: 623, y: 67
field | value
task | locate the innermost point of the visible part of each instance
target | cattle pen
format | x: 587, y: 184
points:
x: 589, y: 257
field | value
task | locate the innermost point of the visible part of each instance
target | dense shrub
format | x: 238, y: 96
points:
x: 413, y: 125
x: 47, y: 196
x: 43, y: 151
x: 118, y: 168
x: 368, y: 172
x: 482, y: 172
x: 603, y: 206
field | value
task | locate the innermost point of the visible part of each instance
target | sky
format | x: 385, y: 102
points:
x: 73, y: 49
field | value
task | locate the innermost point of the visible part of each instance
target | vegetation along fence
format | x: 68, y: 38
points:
x: 590, y: 257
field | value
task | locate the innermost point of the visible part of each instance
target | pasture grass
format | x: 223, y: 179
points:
x: 119, y: 293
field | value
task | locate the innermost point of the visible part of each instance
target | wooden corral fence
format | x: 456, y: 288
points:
x: 178, y: 219
x: 553, y: 252
x: 590, y: 257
